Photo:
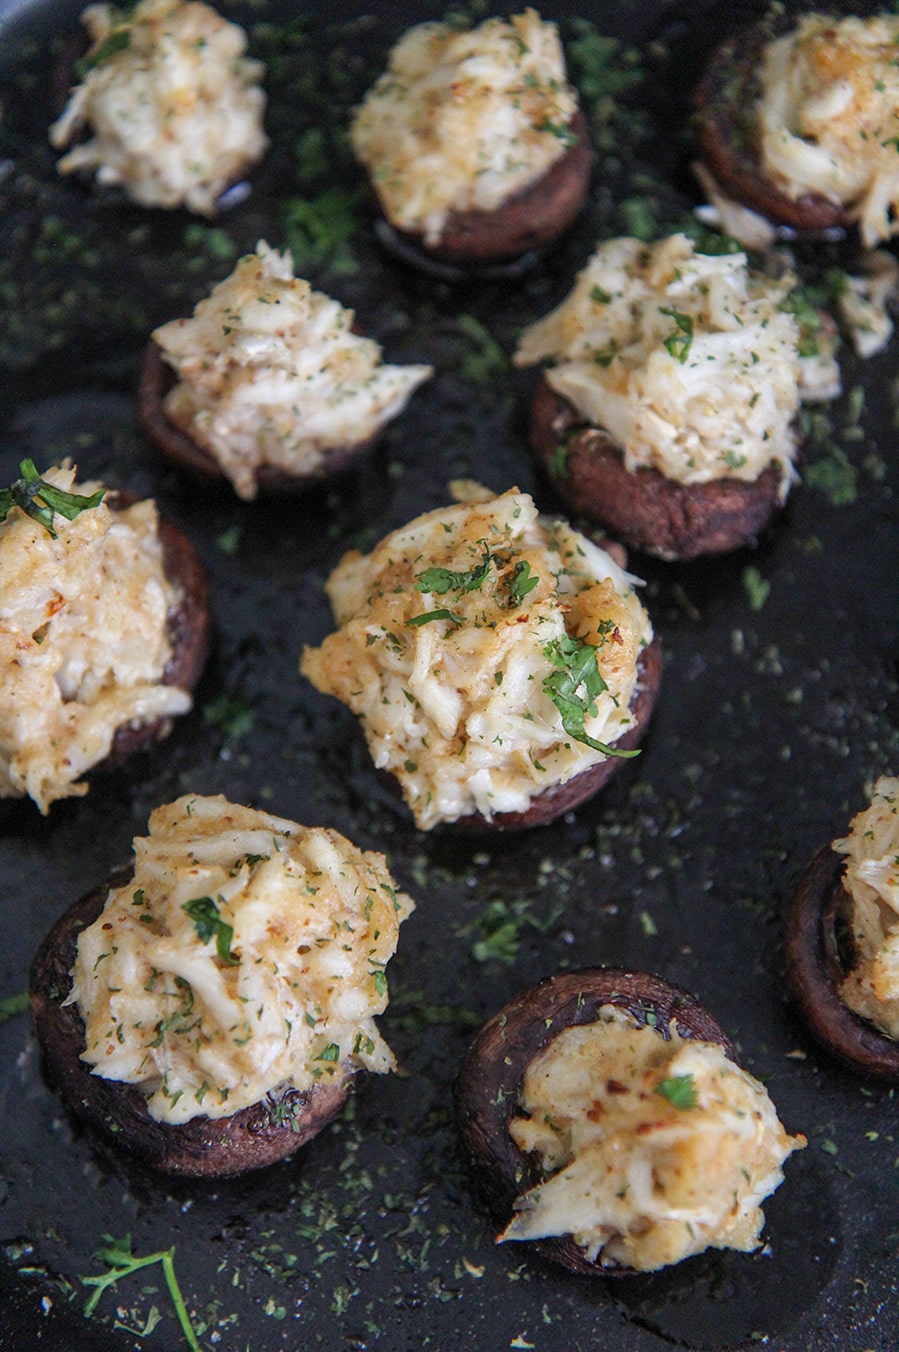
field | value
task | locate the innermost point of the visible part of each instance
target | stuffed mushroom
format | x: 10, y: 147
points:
x: 502, y: 665
x: 667, y: 408
x: 268, y: 385
x: 802, y: 126
x: 206, y: 1011
x: 104, y: 631
x: 167, y: 106
x: 842, y: 940
x: 608, y: 1122
x: 474, y: 142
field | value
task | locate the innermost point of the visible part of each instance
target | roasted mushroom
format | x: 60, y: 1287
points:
x: 799, y: 126
x: 840, y: 928
x: 606, y: 1119
x: 139, y: 990
x: 502, y: 664
x: 474, y: 143
x: 107, y: 631
x: 267, y: 385
x: 667, y: 409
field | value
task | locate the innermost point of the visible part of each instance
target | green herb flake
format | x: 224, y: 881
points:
x: 119, y: 40
x: 430, y: 615
x: 330, y: 1053
x: 209, y: 925
x: 577, y: 668
x: 442, y: 580
x: 756, y: 587
x: 679, y: 342
x: 522, y: 581
x: 121, y: 1262
x: 679, y: 1090
x: 41, y: 501
x: 11, y: 1005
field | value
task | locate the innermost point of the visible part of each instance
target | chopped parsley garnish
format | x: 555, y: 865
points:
x: 330, y: 1053
x: 679, y: 1090
x: 209, y: 925
x: 117, y: 1255
x: 680, y: 341
x: 11, y: 1005
x: 430, y: 615
x: 522, y: 581
x: 41, y: 501
x: 442, y: 580
x: 577, y: 668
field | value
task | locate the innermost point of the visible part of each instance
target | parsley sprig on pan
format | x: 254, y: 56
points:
x: 577, y: 670
x: 117, y: 1255
x: 41, y: 501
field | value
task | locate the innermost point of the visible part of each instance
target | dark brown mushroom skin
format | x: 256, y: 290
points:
x: 816, y: 964
x: 155, y: 380
x: 558, y: 799
x: 531, y: 219
x: 725, y: 127
x: 490, y: 1078
x: 201, y: 1148
x: 642, y: 507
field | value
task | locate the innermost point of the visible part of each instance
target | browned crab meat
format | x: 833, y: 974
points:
x: 725, y: 128
x: 642, y: 507
x: 172, y: 441
x: 203, y: 1147
x: 817, y: 963
x: 558, y: 799
x: 534, y: 217
x: 489, y: 1082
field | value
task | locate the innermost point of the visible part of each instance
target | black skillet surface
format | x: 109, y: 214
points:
x: 779, y: 705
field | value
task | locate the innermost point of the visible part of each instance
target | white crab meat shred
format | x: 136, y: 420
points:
x: 170, y: 106
x: 445, y: 645
x: 653, y: 1150
x: 83, y: 641
x: 828, y: 116
x: 688, y: 360
x: 270, y: 372
x: 245, y: 957
x: 871, y: 877
x: 464, y: 120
